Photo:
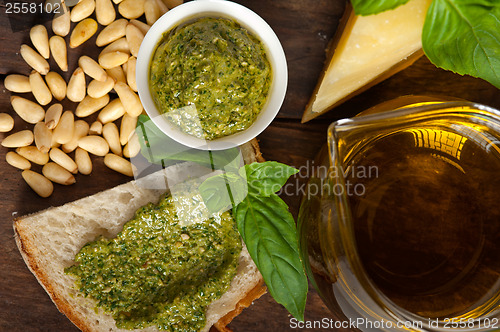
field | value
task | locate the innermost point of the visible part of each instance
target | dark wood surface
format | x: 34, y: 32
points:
x: 304, y: 28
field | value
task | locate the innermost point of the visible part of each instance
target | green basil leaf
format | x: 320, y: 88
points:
x: 222, y: 192
x: 268, y: 177
x: 269, y: 232
x: 158, y: 148
x: 370, y: 7
x: 464, y: 36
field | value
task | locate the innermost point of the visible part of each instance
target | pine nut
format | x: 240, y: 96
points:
x: 131, y: 8
x: 117, y: 74
x: 118, y: 164
x: 53, y: 115
x: 104, y: 12
x: 95, y: 128
x: 40, y: 90
x: 16, y: 140
x: 97, y: 89
x: 6, y: 123
x: 59, y: 51
x: 83, y: 161
x: 40, y: 39
x: 81, y: 129
x: 152, y: 11
x: 17, y: 83
x: 129, y: 99
x: 113, y: 59
x: 118, y: 45
x: 92, y: 68
x: 94, y: 144
x: 76, y: 87
x: 43, y: 137
x: 113, y: 111
x: 82, y: 10
x: 63, y: 160
x: 162, y: 6
x: 141, y: 25
x: 82, y: 32
x: 57, y: 85
x: 127, y: 128
x: 134, y: 38
x: 29, y: 111
x: 73, y: 3
x: 34, y: 60
x: 131, y: 64
x: 33, y: 154
x: 91, y: 105
x: 40, y: 184
x: 17, y: 161
x: 63, y: 133
x: 54, y: 143
x: 132, y: 148
x: 112, y: 32
x: 172, y: 3
x: 112, y: 136
x: 61, y: 22
x: 57, y: 174
x: 124, y: 67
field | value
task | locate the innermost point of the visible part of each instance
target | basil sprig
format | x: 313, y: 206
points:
x: 269, y: 232
x: 464, y: 36
x: 265, y: 224
x: 222, y: 192
x: 267, y: 178
x: 369, y: 7
x: 458, y: 35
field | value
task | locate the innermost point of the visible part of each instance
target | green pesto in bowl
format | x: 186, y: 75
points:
x: 210, y: 77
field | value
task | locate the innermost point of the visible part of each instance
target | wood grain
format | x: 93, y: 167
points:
x: 304, y: 27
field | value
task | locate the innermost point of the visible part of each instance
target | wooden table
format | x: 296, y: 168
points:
x: 304, y: 28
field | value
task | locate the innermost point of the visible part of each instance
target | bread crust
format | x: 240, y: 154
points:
x: 245, y: 302
x: 29, y: 254
x: 25, y: 240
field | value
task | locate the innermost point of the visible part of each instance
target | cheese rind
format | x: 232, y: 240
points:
x: 370, y: 49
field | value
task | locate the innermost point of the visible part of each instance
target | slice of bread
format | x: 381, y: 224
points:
x: 50, y: 239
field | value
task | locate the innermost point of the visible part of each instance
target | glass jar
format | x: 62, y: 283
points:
x: 400, y: 224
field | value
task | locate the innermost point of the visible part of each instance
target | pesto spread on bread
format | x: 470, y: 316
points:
x: 164, y: 268
x: 210, y: 77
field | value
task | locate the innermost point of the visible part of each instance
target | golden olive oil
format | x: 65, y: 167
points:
x: 427, y: 226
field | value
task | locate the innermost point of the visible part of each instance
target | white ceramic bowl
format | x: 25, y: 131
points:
x: 247, y: 19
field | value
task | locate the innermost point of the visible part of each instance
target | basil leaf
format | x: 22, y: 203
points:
x: 370, y: 7
x: 223, y: 191
x: 464, y: 36
x: 269, y: 232
x: 158, y: 148
x: 268, y: 177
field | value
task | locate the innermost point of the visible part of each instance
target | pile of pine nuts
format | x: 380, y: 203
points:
x: 57, y: 133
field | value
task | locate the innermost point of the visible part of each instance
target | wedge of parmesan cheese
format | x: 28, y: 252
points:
x: 368, y: 50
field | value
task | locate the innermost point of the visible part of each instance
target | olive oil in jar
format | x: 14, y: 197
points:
x: 427, y: 226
